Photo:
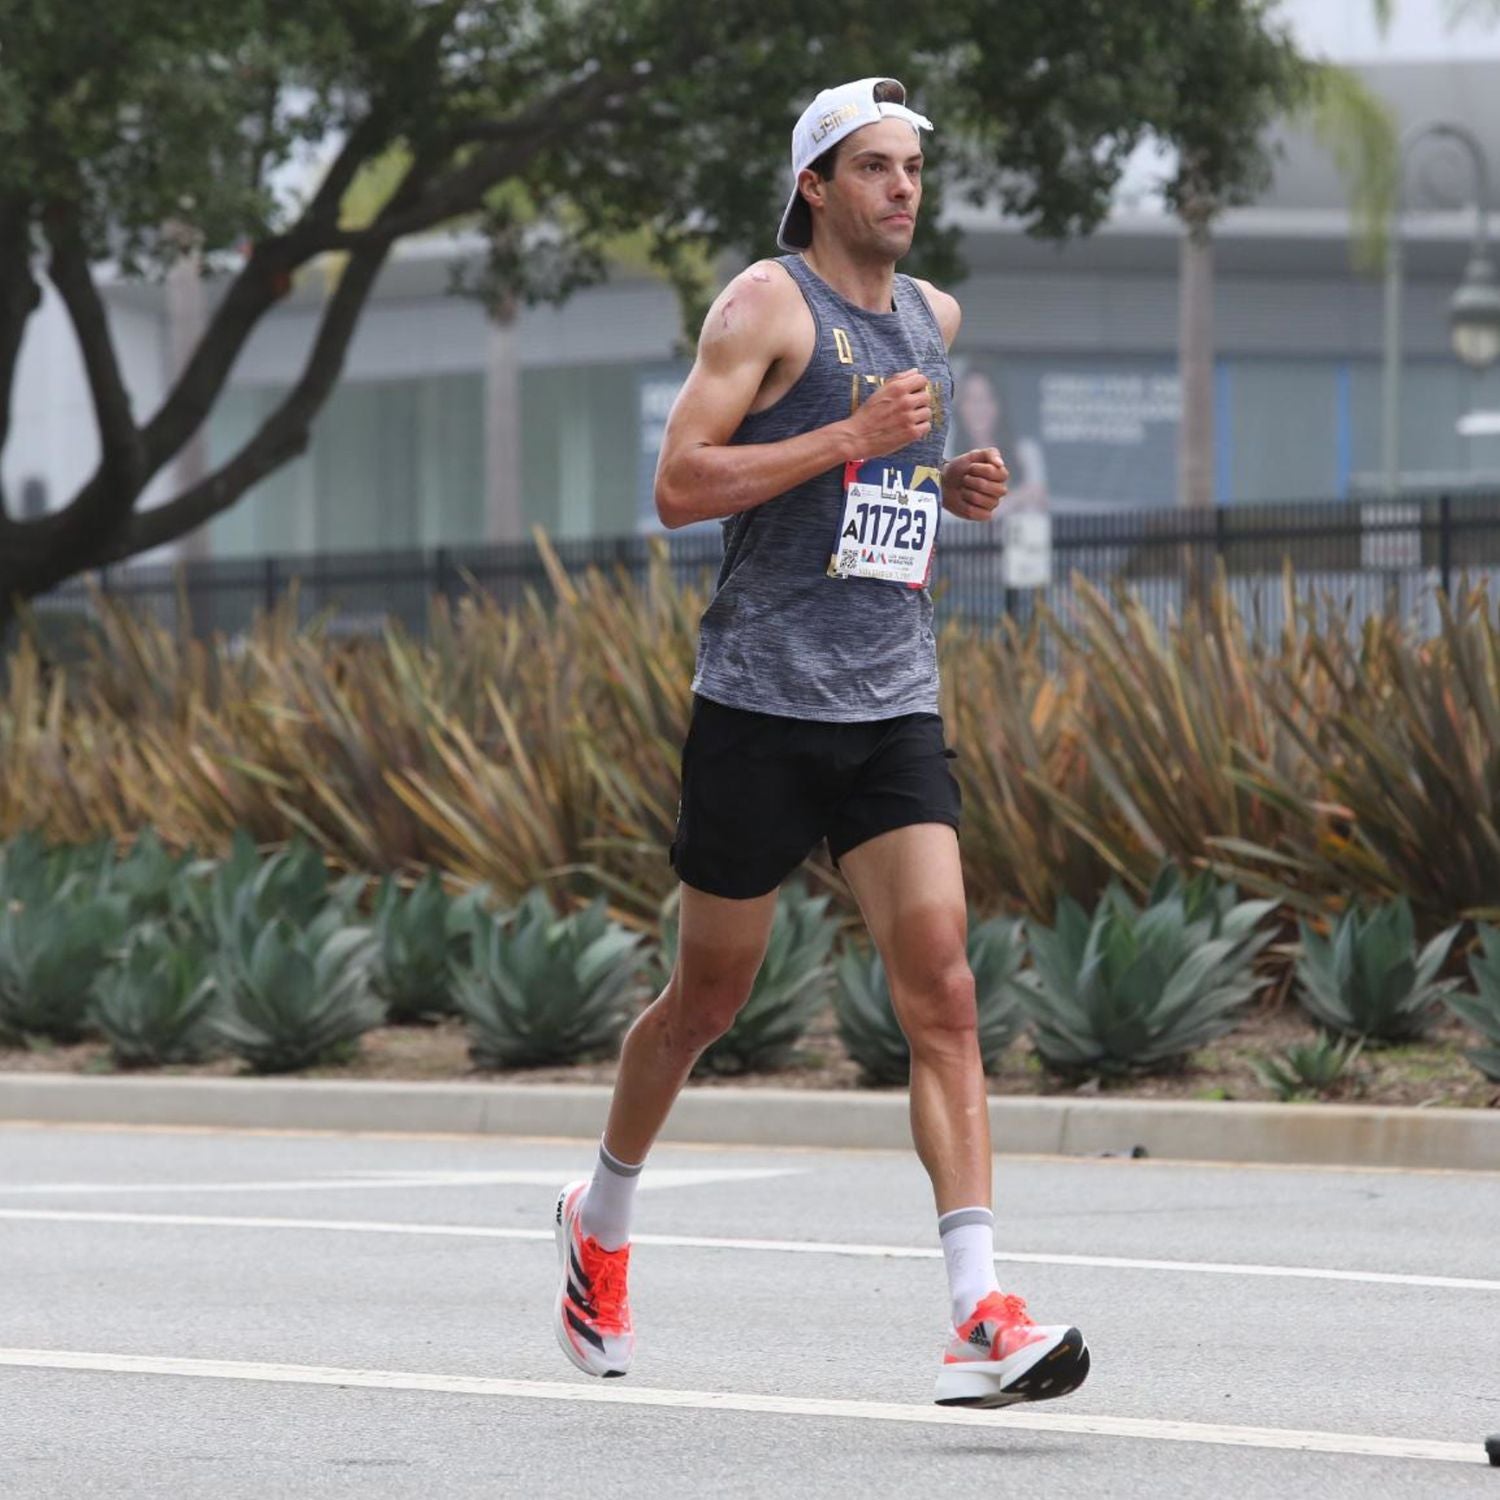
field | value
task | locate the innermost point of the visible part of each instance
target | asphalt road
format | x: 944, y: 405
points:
x: 203, y: 1313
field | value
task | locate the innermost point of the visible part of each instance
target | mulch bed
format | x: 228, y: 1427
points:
x: 1432, y: 1073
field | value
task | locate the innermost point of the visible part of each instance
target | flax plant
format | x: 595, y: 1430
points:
x: 1408, y: 756
x: 1023, y: 767
x: 1170, y: 721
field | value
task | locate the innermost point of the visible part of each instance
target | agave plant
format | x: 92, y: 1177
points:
x: 32, y: 871
x: 151, y: 1005
x: 1367, y: 979
x: 151, y: 879
x: 246, y: 891
x: 867, y: 1018
x: 414, y: 965
x: 50, y: 953
x: 542, y: 989
x: 1482, y: 1010
x: 23, y: 868
x: 293, y: 997
x: 1138, y: 988
x: 469, y: 912
x: 1309, y: 1068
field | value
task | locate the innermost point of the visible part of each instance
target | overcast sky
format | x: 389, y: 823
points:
x: 1345, y: 31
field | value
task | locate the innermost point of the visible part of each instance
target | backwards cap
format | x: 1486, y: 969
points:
x: 835, y: 113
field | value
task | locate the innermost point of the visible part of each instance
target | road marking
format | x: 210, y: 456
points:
x: 998, y: 1423
x: 780, y: 1247
x: 665, y: 1177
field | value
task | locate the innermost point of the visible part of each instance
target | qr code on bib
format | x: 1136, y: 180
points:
x: 848, y: 559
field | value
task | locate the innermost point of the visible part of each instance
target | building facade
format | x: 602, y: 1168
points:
x: 450, y: 429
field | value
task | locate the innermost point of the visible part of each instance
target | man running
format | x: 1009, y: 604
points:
x: 813, y: 424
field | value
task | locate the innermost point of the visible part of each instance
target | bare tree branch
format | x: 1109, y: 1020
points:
x: 261, y: 282
x: 122, y: 452
x: 19, y: 296
x: 360, y: 146
x: 588, y: 89
x: 282, y: 436
x: 515, y: 142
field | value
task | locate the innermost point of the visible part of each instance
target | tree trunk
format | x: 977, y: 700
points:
x: 1195, y: 363
x: 187, y: 318
x: 1195, y: 368
x: 503, y: 518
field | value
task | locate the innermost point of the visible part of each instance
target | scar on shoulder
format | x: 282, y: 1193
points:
x: 724, y: 317
x: 759, y: 273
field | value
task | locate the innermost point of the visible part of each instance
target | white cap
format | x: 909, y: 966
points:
x: 835, y: 113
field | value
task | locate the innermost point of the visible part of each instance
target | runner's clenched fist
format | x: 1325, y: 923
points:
x: 897, y: 414
x: 975, y: 483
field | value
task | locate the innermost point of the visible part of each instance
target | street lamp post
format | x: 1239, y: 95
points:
x: 1474, y: 312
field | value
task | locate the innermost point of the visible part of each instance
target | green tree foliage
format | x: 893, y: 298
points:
x: 146, y: 130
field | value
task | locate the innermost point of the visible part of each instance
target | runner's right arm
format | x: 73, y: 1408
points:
x: 752, y: 325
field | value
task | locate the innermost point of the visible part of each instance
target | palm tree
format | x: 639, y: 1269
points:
x: 1353, y: 124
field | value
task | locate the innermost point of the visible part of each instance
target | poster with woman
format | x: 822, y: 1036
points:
x: 1081, y: 435
x: 981, y: 420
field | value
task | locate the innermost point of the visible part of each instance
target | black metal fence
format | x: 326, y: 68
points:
x: 1374, y: 555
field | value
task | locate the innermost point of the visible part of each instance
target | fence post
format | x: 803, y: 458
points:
x: 1445, y: 544
x: 268, y: 583
x: 1221, y: 538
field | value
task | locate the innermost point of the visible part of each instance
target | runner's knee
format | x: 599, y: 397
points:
x: 939, y: 1013
x: 703, y: 1005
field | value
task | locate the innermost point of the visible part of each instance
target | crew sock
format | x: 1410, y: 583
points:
x: 968, y: 1236
x: 610, y: 1200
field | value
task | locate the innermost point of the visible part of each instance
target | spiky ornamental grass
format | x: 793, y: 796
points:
x: 867, y: 1017
x: 542, y: 990
x: 152, y: 1005
x: 1482, y: 1010
x: 538, y: 745
x: 1368, y: 980
x: 1137, y: 989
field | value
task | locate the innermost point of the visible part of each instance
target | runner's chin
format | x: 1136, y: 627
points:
x: 898, y: 232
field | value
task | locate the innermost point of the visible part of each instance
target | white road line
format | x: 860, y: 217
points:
x: 781, y: 1247
x: 998, y: 1423
x: 666, y: 1177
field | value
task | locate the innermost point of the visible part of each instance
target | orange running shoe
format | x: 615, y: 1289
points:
x: 999, y: 1357
x: 592, y: 1315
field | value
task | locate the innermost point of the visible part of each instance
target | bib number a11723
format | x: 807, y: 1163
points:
x: 889, y: 522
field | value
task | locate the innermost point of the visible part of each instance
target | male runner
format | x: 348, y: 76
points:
x: 813, y: 425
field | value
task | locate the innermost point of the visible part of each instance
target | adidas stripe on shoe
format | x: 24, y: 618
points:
x: 592, y: 1314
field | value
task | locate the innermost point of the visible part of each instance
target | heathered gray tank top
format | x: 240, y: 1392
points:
x: 780, y: 636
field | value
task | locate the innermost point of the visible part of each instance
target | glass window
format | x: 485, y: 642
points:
x: 391, y: 464
x: 1280, y: 427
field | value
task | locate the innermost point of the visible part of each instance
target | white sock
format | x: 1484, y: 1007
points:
x: 968, y: 1236
x: 610, y: 1199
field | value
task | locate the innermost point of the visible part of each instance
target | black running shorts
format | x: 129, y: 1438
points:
x: 759, y: 791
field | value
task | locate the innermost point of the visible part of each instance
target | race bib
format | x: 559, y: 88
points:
x: 889, y: 524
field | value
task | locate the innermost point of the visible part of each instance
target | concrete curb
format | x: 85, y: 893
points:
x: 1307, y: 1134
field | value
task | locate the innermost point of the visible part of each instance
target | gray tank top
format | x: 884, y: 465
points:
x: 780, y: 635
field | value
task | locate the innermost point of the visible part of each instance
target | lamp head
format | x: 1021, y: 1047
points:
x: 1474, y: 315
